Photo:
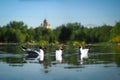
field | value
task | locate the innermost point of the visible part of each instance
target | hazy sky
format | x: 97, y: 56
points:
x: 58, y: 12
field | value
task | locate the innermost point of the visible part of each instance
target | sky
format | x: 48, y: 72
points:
x: 87, y: 12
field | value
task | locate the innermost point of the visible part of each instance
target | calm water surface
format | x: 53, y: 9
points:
x: 103, y: 64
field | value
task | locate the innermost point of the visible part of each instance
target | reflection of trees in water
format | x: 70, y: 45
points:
x: 70, y: 56
x: 71, y: 59
x: 11, y: 48
x: 101, y: 58
x: 117, y: 54
x: 117, y: 59
x: 116, y: 48
x: 13, y: 61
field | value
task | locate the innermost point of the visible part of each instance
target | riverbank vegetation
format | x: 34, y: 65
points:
x: 70, y: 33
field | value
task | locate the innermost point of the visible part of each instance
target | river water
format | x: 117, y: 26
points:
x: 103, y: 64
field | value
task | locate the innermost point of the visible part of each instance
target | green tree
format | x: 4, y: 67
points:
x: 13, y: 32
x: 17, y: 25
x: 3, y: 31
x: 115, y: 30
x: 104, y: 32
x: 65, y: 34
x: 42, y: 33
x: 30, y: 35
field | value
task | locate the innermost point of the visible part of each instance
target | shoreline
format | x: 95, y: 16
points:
x: 9, y: 43
x: 94, y: 44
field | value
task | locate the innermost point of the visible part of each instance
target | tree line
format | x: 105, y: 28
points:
x: 18, y: 32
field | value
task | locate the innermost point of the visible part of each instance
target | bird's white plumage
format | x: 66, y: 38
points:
x: 58, y: 55
x: 84, y: 53
x: 41, y: 55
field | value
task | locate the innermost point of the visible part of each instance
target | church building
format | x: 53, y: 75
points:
x: 46, y: 24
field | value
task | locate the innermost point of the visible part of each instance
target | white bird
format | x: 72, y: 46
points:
x: 58, y: 55
x: 84, y: 54
x: 31, y: 52
x: 40, y: 55
x: 35, y: 53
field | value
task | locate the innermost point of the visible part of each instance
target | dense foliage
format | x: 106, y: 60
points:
x: 18, y: 32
